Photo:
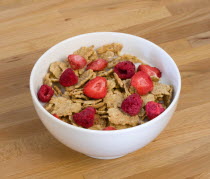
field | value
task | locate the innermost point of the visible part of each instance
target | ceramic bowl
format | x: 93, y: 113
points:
x: 107, y: 144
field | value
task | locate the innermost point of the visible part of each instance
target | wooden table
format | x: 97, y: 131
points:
x: 29, y: 28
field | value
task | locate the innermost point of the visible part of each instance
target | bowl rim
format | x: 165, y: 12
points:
x: 102, y: 132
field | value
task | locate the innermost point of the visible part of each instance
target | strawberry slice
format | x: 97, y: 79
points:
x: 142, y: 82
x: 109, y: 128
x: 151, y: 71
x: 97, y: 65
x: 96, y: 88
x: 76, y: 61
x: 55, y: 115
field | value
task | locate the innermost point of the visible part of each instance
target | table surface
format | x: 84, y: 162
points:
x: 29, y: 28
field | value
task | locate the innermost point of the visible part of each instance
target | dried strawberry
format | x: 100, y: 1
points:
x: 153, y: 109
x: 68, y: 78
x: 45, y: 93
x: 97, y: 65
x: 76, y: 61
x: 55, y: 115
x: 132, y: 104
x: 85, y: 118
x: 142, y: 82
x: 109, y: 128
x: 151, y: 71
x: 96, y: 88
x: 125, y: 70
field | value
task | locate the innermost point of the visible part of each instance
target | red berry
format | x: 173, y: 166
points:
x: 125, y: 69
x: 85, y: 118
x: 153, y: 109
x: 45, y: 93
x: 77, y: 61
x: 142, y: 83
x: 109, y: 128
x: 151, y: 71
x: 96, y: 88
x: 132, y: 104
x: 68, y: 78
x: 55, y: 115
x: 97, y: 65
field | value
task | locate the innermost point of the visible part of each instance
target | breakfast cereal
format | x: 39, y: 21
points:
x: 98, y: 99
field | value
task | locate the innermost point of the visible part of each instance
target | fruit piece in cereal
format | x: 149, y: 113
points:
x: 96, y: 88
x: 55, y: 115
x: 85, y: 118
x: 142, y: 83
x: 132, y: 104
x: 109, y: 128
x: 125, y: 70
x: 97, y: 65
x: 114, y: 47
x: 87, y: 75
x: 76, y: 61
x: 151, y: 71
x: 56, y: 68
x: 153, y: 109
x: 113, y: 99
x: 116, y: 116
x: 87, y: 52
x: 148, y: 97
x: 45, y: 93
x: 68, y: 78
x: 63, y: 106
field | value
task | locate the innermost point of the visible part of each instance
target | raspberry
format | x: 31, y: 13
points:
x: 68, y: 78
x: 153, y: 109
x: 85, y: 118
x: 132, y: 104
x: 45, y: 93
x: 109, y: 128
x: 125, y: 69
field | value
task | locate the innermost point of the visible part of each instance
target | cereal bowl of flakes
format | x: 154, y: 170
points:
x: 105, y: 94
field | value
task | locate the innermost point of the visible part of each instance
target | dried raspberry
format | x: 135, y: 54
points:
x: 125, y: 69
x: 132, y: 104
x: 45, y: 93
x: 153, y: 109
x: 109, y: 128
x: 68, y: 78
x: 85, y: 118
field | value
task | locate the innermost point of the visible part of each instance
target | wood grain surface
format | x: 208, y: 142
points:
x: 29, y: 27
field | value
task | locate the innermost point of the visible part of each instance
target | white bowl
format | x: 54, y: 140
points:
x: 106, y: 144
